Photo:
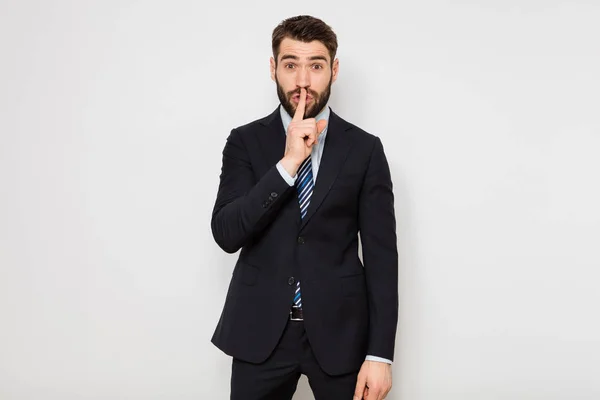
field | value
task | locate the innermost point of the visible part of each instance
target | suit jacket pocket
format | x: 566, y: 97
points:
x: 354, y: 285
x: 245, y: 273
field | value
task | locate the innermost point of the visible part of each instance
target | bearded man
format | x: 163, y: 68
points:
x: 296, y: 189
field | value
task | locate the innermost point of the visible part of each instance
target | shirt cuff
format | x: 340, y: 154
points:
x: 284, y: 174
x: 378, y: 359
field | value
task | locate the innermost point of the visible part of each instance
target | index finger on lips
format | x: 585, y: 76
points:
x: 299, y: 115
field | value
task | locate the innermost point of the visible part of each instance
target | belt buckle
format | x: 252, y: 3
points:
x: 296, y: 314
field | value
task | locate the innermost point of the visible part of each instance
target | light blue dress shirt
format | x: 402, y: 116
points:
x: 316, y: 155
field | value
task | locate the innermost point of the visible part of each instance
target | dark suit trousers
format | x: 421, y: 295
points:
x: 277, y: 377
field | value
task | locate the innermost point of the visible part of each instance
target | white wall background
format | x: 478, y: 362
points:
x: 113, y: 115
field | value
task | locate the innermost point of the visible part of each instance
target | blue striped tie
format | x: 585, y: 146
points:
x: 304, y: 185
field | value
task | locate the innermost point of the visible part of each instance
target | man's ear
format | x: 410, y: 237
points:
x: 335, y: 69
x: 273, y: 67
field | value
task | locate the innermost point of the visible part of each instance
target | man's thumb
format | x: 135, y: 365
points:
x: 321, y: 125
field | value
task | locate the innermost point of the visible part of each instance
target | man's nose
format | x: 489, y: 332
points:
x: 302, y: 78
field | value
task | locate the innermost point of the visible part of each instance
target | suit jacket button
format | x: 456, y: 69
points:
x: 300, y: 240
x: 265, y: 204
x: 273, y: 195
x: 291, y: 280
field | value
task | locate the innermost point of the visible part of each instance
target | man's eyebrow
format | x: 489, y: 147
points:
x: 318, y: 58
x: 289, y: 56
x: 296, y: 58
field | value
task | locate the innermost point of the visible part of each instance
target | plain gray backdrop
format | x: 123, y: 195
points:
x: 113, y: 116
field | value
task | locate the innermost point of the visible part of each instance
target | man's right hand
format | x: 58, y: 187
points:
x: 302, y: 134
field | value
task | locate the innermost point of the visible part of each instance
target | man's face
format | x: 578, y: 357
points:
x: 303, y: 65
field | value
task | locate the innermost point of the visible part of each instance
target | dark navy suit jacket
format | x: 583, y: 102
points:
x: 350, y: 310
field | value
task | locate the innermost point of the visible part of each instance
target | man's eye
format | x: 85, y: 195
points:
x: 289, y: 66
x: 318, y: 66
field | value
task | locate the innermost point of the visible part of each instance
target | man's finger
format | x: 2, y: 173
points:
x: 313, y: 138
x: 360, y: 388
x: 299, y: 115
x: 321, y: 125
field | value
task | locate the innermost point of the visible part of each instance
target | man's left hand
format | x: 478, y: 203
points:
x: 374, y: 381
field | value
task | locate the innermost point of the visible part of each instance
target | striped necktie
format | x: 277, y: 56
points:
x: 304, y: 185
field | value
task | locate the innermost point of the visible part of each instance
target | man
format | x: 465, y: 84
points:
x: 296, y: 188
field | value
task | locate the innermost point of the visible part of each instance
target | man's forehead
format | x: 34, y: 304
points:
x: 302, y: 50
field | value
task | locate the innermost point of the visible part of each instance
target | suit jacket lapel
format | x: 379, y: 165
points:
x: 337, y: 145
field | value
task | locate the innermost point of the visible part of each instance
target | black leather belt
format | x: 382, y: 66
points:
x: 296, y: 314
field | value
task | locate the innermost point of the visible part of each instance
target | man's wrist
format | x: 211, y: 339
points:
x: 291, y: 166
x: 291, y: 180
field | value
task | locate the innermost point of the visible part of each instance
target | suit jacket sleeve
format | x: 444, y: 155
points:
x: 244, y: 205
x: 377, y: 224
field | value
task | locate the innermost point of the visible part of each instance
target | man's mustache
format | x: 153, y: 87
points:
x: 312, y: 93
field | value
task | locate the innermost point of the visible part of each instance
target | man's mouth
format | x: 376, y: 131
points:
x: 296, y: 98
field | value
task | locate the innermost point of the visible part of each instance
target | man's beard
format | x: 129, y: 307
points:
x: 319, y: 100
